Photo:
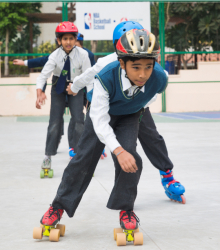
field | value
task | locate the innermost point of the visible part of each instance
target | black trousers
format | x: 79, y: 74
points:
x: 79, y: 172
x: 56, y: 118
x: 153, y: 143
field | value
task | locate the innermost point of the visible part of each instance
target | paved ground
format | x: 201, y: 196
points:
x: 194, y: 147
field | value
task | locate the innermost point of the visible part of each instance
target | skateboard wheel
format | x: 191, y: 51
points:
x: 117, y: 230
x: 42, y: 173
x: 183, y: 199
x: 54, y: 235
x: 38, y: 233
x: 136, y: 230
x: 50, y: 174
x: 121, y: 239
x: 138, y: 238
x: 61, y: 228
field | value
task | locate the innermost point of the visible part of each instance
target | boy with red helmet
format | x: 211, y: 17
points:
x: 66, y: 62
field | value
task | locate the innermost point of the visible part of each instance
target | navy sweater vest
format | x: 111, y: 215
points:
x: 119, y: 102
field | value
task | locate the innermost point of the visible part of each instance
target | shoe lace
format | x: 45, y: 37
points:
x: 52, y: 212
x: 130, y: 215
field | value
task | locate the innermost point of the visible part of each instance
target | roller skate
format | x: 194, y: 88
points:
x: 173, y: 189
x: 103, y: 155
x: 46, y: 168
x: 129, y: 230
x: 71, y: 153
x: 49, y: 225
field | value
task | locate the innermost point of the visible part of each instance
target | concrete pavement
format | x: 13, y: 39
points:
x: 194, y: 149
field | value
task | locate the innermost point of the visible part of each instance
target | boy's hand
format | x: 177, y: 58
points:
x: 41, y: 97
x: 18, y: 62
x: 126, y: 160
x: 69, y: 91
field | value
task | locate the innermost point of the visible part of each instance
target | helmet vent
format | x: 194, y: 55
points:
x: 124, y: 29
x: 132, y: 43
x: 142, y: 42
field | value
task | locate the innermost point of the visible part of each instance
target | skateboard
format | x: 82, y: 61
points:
x: 121, y: 236
x: 46, y: 172
x: 53, y: 232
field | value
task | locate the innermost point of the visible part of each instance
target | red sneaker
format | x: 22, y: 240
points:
x: 128, y: 220
x: 52, y: 216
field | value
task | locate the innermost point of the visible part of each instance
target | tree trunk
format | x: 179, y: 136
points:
x: 196, y: 60
x: 31, y: 42
x: 94, y: 46
x: 6, y: 52
x: 179, y: 62
x: 184, y: 62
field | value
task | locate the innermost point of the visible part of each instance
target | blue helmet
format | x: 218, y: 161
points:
x: 79, y: 38
x: 123, y: 27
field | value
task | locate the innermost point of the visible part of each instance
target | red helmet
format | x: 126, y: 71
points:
x: 66, y: 28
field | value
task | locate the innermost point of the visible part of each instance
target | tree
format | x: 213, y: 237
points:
x: 199, y: 29
x: 12, y: 15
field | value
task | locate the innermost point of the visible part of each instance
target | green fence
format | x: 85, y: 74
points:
x: 161, y: 30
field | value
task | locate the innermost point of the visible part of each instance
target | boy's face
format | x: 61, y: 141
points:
x: 139, y: 71
x: 68, y: 42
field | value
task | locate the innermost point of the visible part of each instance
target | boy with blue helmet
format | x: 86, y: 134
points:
x: 151, y: 141
x: 120, y: 113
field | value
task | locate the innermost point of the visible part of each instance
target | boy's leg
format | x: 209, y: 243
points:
x: 56, y: 121
x: 77, y: 119
x: 155, y: 148
x: 124, y: 192
x: 153, y: 143
x: 79, y: 172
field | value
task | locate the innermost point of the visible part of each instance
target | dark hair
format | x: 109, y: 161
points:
x: 132, y: 58
x: 60, y: 35
x: 115, y: 42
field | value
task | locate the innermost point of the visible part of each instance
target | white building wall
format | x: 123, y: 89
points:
x: 48, y: 29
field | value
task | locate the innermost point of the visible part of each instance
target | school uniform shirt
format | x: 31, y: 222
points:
x: 86, y: 79
x: 100, y: 106
x: 79, y: 63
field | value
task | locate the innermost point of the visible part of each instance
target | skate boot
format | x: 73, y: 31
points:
x: 173, y: 189
x: 52, y: 216
x: 71, y: 153
x: 49, y: 225
x: 129, y: 230
x: 103, y: 155
x: 46, y: 168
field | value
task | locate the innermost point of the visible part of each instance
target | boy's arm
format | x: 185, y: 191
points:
x: 87, y: 77
x: 92, y: 59
x: 32, y: 63
x: 36, y: 62
x: 46, y: 72
x: 101, y: 118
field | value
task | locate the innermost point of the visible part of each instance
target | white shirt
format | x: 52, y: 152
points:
x: 100, y: 107
x: 79, y: 62
x: 100, y: 101
x: 87, y: 78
